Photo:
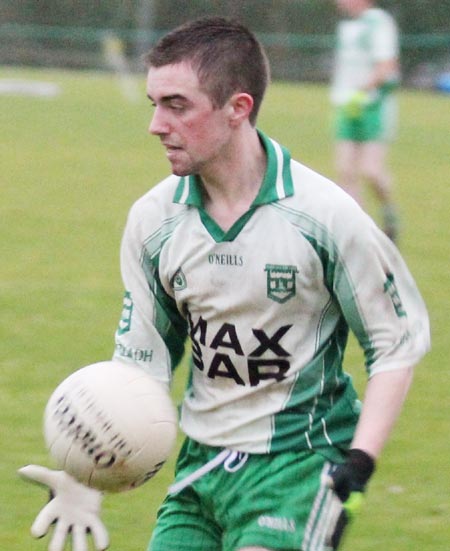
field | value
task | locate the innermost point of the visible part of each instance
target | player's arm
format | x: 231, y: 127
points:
x: 384, y: 73
x: 74, y: 509
x: 152, y: 332
x: 385, y: 52
x: 385, y: 311
x: 383, y: 400
x: 388, y: 317
x: 383, y: 78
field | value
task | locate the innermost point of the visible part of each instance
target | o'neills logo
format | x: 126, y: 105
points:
x: 280, y: 282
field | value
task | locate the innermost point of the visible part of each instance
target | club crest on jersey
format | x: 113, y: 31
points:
x: 390, y: 288
x: 125, y: 319
x: 178, y: 281
x: 280, y: 282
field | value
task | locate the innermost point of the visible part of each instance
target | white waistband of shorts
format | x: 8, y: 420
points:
x: 226, y: 457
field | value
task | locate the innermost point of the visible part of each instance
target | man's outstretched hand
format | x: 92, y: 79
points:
x: 73, y: 509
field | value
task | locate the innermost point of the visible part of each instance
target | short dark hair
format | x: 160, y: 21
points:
x: 226, y: 55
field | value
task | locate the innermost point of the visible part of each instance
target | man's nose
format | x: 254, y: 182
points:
x: 158, y: 125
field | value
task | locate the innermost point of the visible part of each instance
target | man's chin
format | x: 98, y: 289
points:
x: 181, y: 170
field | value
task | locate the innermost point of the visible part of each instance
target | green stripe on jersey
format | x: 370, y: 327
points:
x: 336, y: 275
x: 167, y: 319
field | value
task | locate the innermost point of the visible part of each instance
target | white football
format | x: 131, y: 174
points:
x: 110, y: 425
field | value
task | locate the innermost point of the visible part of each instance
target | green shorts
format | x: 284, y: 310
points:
x: 278, y: 501
x: 377, y: 123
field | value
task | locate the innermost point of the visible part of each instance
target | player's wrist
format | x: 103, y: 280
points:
x: 362, y: 465
x: 353, y: 474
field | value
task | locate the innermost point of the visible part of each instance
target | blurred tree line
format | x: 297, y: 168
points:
x: 290, y: 29
x: 294, y: 16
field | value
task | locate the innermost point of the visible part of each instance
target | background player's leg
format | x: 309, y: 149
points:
x: 347, y: 168
x: 374, y: 170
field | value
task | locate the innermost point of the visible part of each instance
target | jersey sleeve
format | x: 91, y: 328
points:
x: 385, y: 41
x: 379, y: 298
x: 151, y: 332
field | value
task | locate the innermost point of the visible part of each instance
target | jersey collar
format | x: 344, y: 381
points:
x: 277, y: 183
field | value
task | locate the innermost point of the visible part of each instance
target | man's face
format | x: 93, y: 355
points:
x: 193, y: 132
x: 352, y: 7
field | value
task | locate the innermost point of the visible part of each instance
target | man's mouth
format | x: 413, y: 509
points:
x: 171, y: 147
x: 172, y: 151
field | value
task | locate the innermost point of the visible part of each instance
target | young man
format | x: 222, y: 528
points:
x: 365, y: 74
x: 265, y: 266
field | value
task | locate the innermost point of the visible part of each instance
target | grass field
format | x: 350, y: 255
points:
x: 71, y: 167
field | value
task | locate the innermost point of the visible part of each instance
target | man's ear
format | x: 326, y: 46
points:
x: 241, y: 105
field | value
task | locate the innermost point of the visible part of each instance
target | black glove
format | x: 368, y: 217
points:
x: 348, y: 481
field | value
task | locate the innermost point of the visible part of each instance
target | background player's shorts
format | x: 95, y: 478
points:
x: 378, y: 122
x: 278, y: 501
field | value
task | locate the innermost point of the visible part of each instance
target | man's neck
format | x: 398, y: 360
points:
x: 231, y: 186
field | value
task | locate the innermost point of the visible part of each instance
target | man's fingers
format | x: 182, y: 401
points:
x: 43, y: 521
x: 329, y: 482
x: 100, y: 535
x: 79, y: 538
x: 60, y: 533
x: 38, y: 474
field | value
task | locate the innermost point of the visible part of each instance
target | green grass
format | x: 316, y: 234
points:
x: 71, y: 168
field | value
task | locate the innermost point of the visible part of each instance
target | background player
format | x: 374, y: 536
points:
x: 366, y: 72
x: 265, y: 265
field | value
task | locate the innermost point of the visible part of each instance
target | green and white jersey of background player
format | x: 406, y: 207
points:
x: 267, y: 306
x: 361, y: 43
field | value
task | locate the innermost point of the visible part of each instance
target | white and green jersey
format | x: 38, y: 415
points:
x: 267, y: 306
x: 362, y: 42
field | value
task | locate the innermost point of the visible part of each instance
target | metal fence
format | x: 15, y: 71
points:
x: 296, y: 57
